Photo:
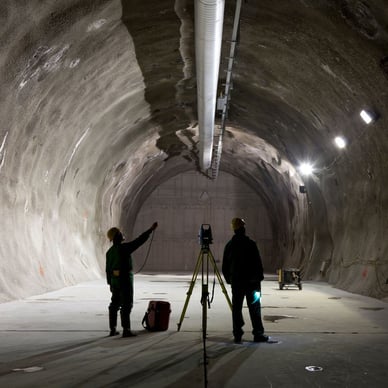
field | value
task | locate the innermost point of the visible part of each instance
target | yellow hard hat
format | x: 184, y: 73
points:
x: 112, y: 233
x: 237, y: 223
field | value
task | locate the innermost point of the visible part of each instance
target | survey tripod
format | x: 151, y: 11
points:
x: 205, y: 260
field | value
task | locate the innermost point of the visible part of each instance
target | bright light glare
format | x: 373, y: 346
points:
x: 306, y: 169
x: 340, y: 142
x: 366, y: 116
x: 256, y: 296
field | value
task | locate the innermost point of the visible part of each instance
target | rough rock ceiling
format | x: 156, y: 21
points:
x: 98, y: 107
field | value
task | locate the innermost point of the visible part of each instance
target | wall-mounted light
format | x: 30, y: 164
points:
x: 306, y: 169
x: 340, y: 142
x: 368, y: 116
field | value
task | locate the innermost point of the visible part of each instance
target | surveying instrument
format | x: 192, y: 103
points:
x: 205, y: 260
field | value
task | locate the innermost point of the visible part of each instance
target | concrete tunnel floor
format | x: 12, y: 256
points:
x: 60, y: 339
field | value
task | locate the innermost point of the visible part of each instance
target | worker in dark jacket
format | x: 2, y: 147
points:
x: 243, y: 269
x: 119, y: 276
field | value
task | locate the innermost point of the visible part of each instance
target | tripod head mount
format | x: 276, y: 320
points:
x: 205, y: 236
x: 206, y: 259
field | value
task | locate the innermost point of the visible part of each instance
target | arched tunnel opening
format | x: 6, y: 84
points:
x: 269, y: 199
x: 99, y: 117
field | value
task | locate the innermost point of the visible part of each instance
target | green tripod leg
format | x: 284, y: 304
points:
x: 193, y: 279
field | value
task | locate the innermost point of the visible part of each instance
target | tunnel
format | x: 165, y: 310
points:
x: 100, y: 129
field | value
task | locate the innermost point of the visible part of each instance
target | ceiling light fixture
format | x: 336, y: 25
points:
x: 368, y: 116
x: 340, y: 142
x: 306, y: 169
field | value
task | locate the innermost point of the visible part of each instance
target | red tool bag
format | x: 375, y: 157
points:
x: 157, y: 316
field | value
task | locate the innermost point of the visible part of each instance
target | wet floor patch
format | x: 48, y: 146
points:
x: 372, y: 308
x: 334, y: 297
x: 43, y: 300
x: 313, y: 368
x: 29, y: 369
x: 288, y: 307
x: 149, y: 298
x: 275, y: 318
x: 170, y: 281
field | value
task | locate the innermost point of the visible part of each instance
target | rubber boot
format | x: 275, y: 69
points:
x: 125, y: 322
x: 113, y: 323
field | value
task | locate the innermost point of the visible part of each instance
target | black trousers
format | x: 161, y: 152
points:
x: 122, y: 299
x: 248, y: 291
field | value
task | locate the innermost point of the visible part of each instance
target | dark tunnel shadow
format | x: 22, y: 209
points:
x: 169, y: 95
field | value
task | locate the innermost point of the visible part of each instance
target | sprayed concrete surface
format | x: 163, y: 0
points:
x: 98, y: 110
x: 59, y: 339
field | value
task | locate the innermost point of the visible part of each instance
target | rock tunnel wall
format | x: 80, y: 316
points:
x: 98, y: 109
x: 68, y: 72
x: 47, y: 155
x: 324, y: 50
x: 356, y: 206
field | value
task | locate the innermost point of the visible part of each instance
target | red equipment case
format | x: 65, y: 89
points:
x: 157, y: 316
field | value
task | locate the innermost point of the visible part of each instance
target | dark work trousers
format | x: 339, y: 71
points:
x: 122, y: 299
x: 238, y: 293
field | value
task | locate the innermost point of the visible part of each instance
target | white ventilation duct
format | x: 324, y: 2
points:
x: 209, y: 20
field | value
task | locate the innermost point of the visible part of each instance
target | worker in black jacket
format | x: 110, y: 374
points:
x: 243, y: 269
x: 119, y: 276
